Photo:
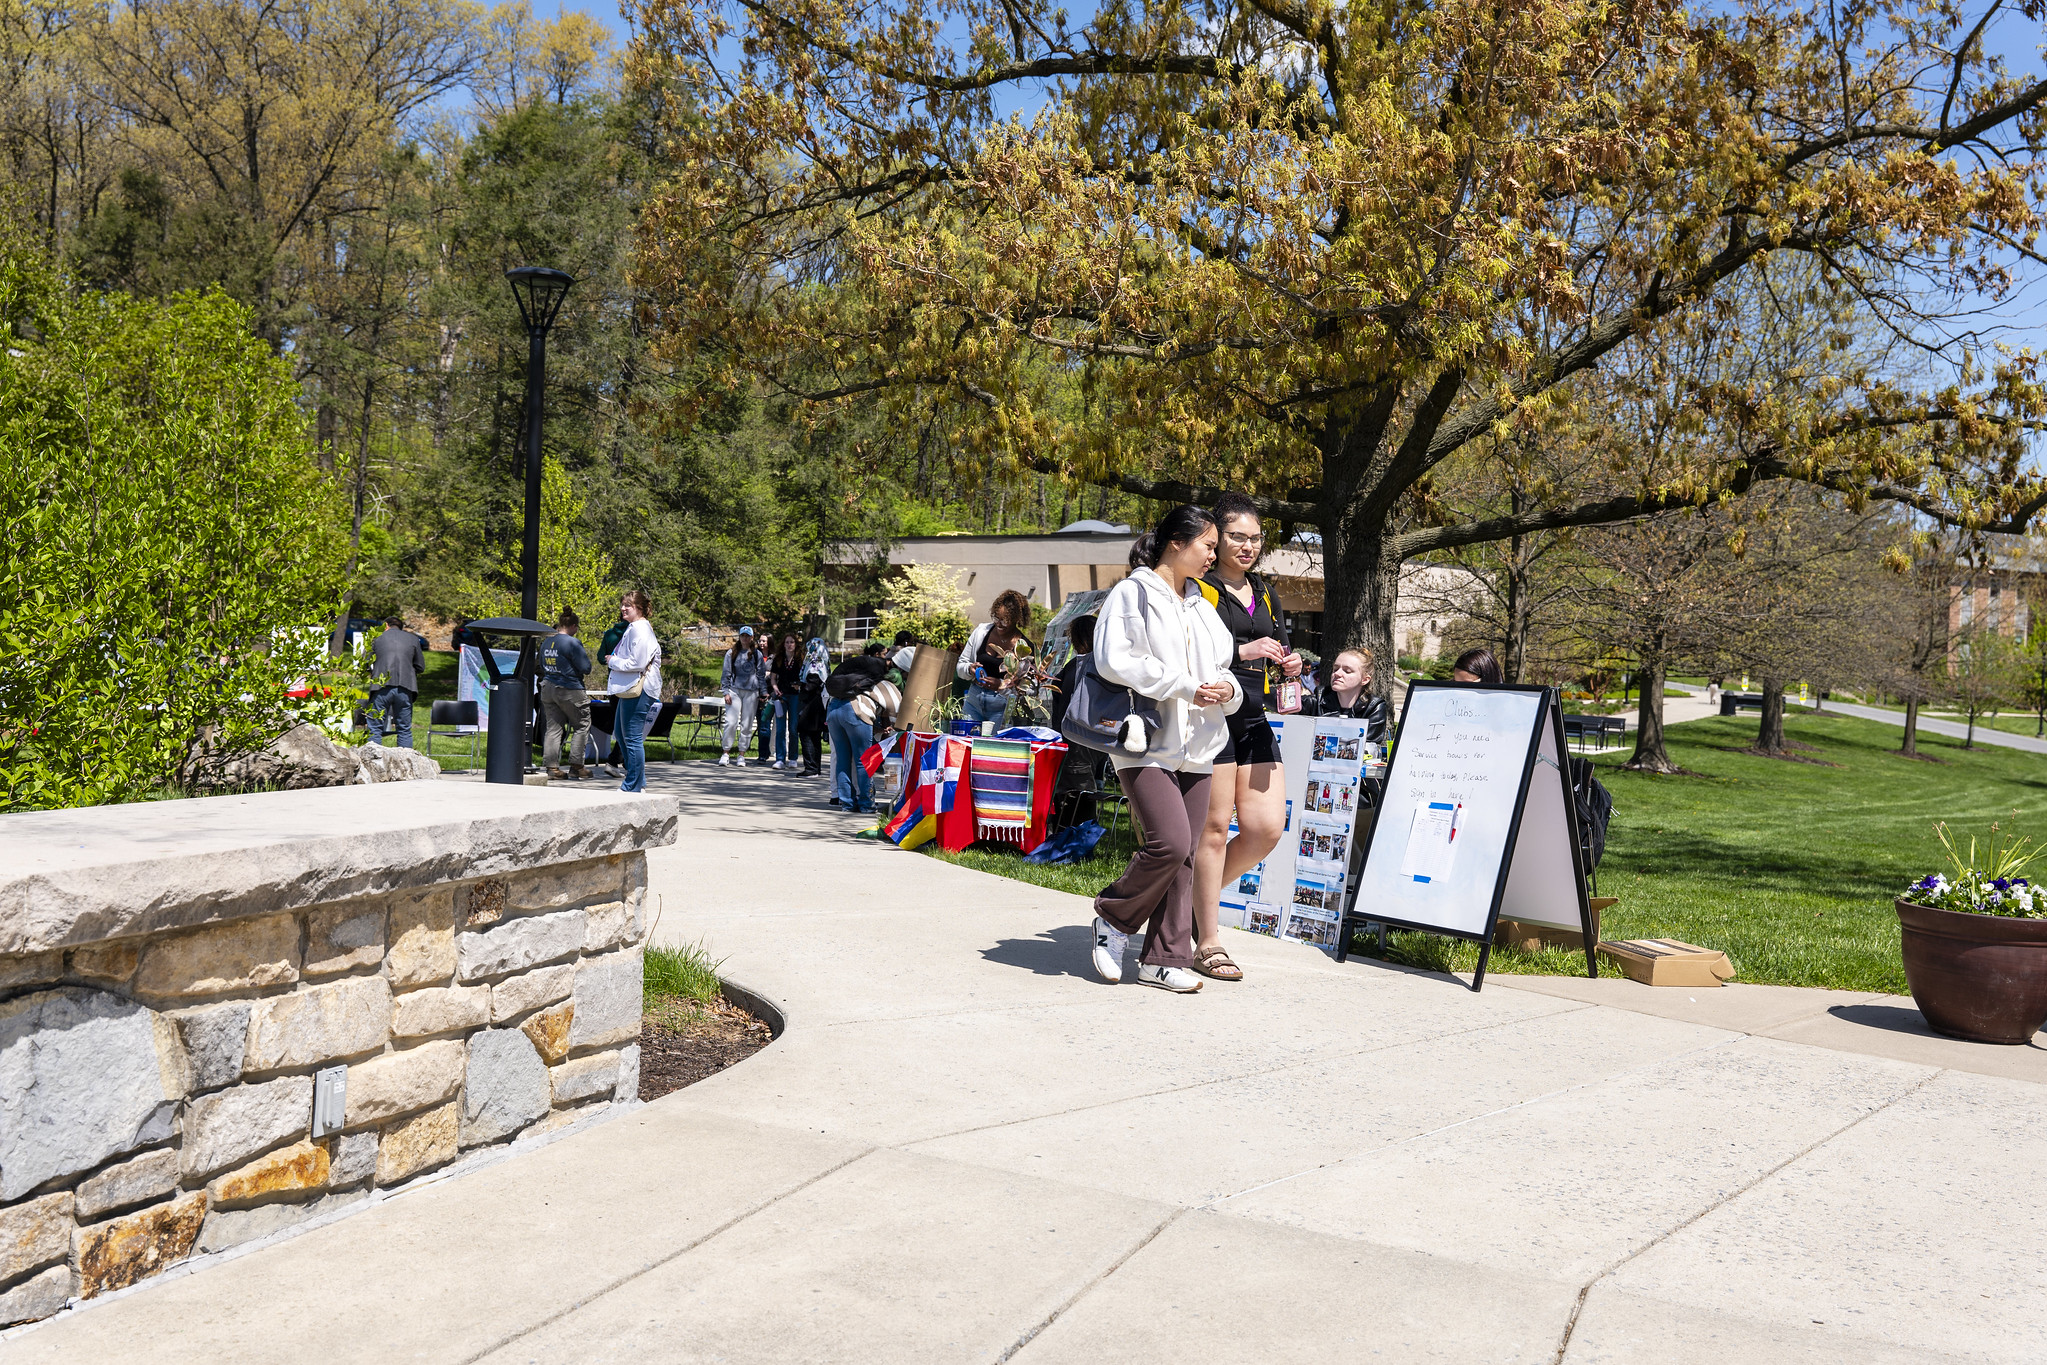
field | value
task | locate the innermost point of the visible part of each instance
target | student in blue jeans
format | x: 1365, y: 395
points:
x: 635, y: 667
x: 852, y: 736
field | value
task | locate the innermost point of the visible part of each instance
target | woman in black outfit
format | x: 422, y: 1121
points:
x: 1248, y: 778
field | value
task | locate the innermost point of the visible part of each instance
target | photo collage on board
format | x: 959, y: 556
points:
x: 1322, y: 844
x: 1253, y: 901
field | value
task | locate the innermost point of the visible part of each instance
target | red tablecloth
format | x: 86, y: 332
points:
x: 956, y: 826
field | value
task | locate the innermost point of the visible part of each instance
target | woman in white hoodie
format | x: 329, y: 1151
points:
x: 1158, y: 636
x: 635, y: 669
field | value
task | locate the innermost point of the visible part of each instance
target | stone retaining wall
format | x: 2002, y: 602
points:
x: 156, y: 1089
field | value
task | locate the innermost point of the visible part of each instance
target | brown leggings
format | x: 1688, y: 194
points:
x: 1156, y: 891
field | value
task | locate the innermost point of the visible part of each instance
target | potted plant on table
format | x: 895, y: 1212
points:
x: 1975, y: 943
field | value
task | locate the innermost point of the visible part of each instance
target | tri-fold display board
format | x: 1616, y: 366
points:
x: 1477, y: 822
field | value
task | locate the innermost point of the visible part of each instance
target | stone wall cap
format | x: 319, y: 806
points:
x: 99, y: 872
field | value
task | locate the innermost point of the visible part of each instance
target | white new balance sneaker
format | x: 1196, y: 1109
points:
x: 1110, y: 943
x: 724, y: 760
x: 739, y: 762
x: 1169, y: 978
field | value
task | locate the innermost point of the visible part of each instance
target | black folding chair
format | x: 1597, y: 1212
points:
x: 1078, y: 786
x: 444, y: 718
x: 603, y: 717
x: 663, y: 727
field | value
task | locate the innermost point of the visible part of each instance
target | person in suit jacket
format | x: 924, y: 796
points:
x: 398, y: 658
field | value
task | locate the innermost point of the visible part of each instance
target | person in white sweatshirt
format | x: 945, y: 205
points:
x: 636, y: 670
x: 1158, y: 636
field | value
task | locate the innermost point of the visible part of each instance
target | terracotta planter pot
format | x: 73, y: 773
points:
x: 1980, y: 977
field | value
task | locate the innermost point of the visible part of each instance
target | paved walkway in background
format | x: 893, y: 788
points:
x: 1951, y: 729
x: 966, y: 1149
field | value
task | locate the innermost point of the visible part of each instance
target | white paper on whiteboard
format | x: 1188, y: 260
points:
x: 1431, y: 843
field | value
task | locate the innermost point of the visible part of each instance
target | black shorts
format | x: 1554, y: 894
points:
x: 1251, y: 737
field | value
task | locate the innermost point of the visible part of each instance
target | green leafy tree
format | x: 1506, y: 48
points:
x: 1318, y: 251
x: 165, y: 525
x: 575, y: 572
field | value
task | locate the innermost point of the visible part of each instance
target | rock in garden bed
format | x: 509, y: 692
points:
x: 683, y: 1041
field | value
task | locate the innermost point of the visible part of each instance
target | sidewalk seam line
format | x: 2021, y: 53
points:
x: 1028, y: 1337
x: 651, y: 1266
x: 1578, y: 1306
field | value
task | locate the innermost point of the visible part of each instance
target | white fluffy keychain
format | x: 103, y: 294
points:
x: 1134, y: 738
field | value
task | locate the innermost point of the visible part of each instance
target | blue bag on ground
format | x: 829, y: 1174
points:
x: 1068, y: 845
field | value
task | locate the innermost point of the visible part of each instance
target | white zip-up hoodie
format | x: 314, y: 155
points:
x: 1166, y: 646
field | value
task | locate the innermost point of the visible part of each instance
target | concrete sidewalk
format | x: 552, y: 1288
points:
x: 966, y: 1149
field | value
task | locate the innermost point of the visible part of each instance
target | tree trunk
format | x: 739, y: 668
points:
x: 324, y: 426
x: 1360, y: 590
x: 1969, y: 739
x: 1819, y: 699
x: 1650, y: 756
x: 1910, y: 748
x: 1770, y: 735
x: 1515, y: 665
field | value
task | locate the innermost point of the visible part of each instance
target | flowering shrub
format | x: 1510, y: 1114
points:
x: 1985, y: 882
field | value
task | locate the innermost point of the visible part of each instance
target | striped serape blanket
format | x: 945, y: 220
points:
x: 1000, y: 771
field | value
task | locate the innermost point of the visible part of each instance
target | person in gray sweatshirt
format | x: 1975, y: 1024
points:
x: 742, y: 680
x: 564, y: 700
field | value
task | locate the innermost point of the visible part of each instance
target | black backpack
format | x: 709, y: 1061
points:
x: 1595, y: 810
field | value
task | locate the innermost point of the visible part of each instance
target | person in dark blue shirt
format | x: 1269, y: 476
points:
x: 564, y: 702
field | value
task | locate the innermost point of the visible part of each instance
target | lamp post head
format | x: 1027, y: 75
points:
x: 539, y: 290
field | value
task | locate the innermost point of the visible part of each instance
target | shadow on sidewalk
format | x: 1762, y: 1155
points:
x: 1054, y: 952
x: 1896, y: 1019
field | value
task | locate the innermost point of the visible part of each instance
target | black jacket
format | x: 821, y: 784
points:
x: 856, y: 675
x: 1368, y: 708
x: 810, y: 719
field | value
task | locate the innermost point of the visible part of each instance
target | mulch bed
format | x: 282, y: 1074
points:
x: 681, y: 1042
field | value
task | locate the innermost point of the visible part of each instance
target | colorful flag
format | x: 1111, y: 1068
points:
x: 915, y: 822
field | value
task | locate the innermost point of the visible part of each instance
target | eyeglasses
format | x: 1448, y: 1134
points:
x: 1239, y: 539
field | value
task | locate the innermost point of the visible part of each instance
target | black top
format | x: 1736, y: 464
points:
x: 1256, y: 676
x: 784, y: 673
x: 856, y: 675
x: 989, y: 659
x: 1064, y: 682
x: 1368, y: 708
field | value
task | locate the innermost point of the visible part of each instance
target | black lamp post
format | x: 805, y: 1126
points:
x: 539, y: 290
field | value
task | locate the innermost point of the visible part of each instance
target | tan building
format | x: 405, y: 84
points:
x: 1090, y: 555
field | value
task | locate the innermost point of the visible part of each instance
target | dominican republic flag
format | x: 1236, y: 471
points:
x: 938, y: 778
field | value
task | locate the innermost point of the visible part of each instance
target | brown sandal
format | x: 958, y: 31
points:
x: 1215, y: 964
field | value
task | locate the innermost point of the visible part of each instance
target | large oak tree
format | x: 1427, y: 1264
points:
x: 1317, y: 250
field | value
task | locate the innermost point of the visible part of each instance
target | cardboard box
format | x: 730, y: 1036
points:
x: 1667, y: 962
x: 1531, y: 937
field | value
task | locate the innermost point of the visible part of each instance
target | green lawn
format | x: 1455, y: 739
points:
x: 1790, y: 868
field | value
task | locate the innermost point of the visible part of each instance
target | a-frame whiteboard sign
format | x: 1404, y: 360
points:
x: 1477, y: 822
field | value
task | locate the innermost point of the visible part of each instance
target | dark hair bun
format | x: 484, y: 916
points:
x: 1176, y: 527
